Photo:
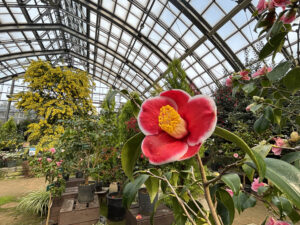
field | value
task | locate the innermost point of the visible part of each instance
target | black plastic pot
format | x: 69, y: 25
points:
x: 66, y: 176
x: 93, y: 184
x: 86, y: 193
x: 116, y: 211
x: 79, y: 174
x: 145, y: 205
x: 98, y: 186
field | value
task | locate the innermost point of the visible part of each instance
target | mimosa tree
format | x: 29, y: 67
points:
x: 54, y: 94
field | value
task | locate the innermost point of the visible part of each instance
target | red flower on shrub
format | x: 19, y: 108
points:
x: 175, y: 125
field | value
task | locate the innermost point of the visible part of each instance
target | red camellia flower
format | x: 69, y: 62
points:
x: 256, y: 184
x: 244, y: 74
x: 262, y: 71
x: 281, y: 2
x: 289, y: 17
x: 272, y: 221
x: 261, y: 6
x: 175, y: 125
x: 229, y: 81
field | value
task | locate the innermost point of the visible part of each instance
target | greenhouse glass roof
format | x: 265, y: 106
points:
x: 127, y: 44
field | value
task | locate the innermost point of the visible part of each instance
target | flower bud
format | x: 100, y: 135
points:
x: 294, y: 136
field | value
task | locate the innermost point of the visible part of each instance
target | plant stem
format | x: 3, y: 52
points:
x: 49, y: 208
x: 207, y: 192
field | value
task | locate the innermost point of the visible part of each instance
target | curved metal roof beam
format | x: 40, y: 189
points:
x: 201, y: 23
x: 135, y: 33
x: 30, y: 27
x: 54, y: 52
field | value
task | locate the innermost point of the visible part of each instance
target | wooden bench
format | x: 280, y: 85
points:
x: 74, y: 213
x: 163, y: 215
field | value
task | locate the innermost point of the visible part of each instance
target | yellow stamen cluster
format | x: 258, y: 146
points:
x: 170, y: 121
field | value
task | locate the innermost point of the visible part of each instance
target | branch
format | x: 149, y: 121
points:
x: 175, y: 194
x: 207, y: 192
x: 228, y: 167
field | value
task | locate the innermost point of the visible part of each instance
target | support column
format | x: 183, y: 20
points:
x: 9, y: 102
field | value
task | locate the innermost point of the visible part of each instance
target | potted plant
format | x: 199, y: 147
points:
x: 81, y: 143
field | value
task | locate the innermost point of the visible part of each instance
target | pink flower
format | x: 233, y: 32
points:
x: 58, y: 163
x: 52, y: 150
x: 279, y: 143
x: 288, y: 17
x: 61, y: 160
x: 272, y: 221
x: 248, y: 108
x: 244, y: 74
x: 261, y: 6
x: 262, y: 71
x: 281, y: 2
x: 229, y: 191
x: 138, y: 216
x: 256, y: 184
x: 175, y: 125
x: 39, y: 159
x: 142, y: 156
x: 49, y: 159
x: 229, y: 81
x: 235, y: 155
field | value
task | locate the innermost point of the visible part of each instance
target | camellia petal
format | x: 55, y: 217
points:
x: 201, y: 115
x: 179, y: 96
x: 148, y: 116
x: 192, y: 150
x: 163, y: 148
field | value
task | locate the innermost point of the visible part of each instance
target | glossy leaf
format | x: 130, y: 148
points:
x: 279, y: 71
x: 233, y: 181
x: 286, y: 208
x: 255, y: 107
x: 277, y: 116
x: 261, y: 124
x: 285, y: 177
x: 292, y: 80
x: 268, y: 114
x: 130, y: 153
x: 243, y: 201
x: 132, y: 188
x: 225, y: 207
x: 291, y: 157
x: 272, y: 45
x: 152, y: 185
x: 248, y: 88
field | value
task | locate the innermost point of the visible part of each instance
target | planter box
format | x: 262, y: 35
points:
x: 74, y: 213
x: 163, y: 215
x: 70, y: 193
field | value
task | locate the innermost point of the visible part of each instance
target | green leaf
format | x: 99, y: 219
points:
x: 256, y: 158
x: 255, y: 107
x: 279, y: 71
x: 285, y: 177
x: 286, y: 208
x: 272, y: 45
x: 265, y: 83
x: 249, y: 171
x: 261, y: 124
x: 291, y: 157
x: 132, y: 188
x: 130, y: 153
x: 292, y: 80
x: 243, y: 201
x: 225, y: 207
x: 277, y: 116
x: 268, y: 114
x: 152, y: 185
x: 248, y: 88
x: 233, y: 181
x: 262, y: 190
